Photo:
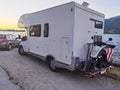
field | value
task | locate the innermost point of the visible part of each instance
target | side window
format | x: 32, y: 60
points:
x: 46, y: 30
x: 99, y: 24
x: 13, y: 37
x: 35, y: 31
x: 10, y: 37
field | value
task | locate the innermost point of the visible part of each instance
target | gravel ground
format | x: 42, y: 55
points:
x: 33, y: 74
x: 5, y: 83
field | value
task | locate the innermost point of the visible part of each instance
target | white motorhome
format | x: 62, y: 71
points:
x: 60, y: 34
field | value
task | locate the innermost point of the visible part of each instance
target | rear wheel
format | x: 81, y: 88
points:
x: 52, y: 65
x: 21, y: 50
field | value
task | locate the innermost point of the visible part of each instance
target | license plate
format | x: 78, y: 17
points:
x: 102, y: 72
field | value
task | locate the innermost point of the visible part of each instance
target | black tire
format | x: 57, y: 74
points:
x: 21, y: 50
x: 52, y: 65
x: 9, y: 47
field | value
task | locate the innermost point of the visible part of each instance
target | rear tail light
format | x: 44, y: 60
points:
x: 77, y: 60
x: 4, y: 40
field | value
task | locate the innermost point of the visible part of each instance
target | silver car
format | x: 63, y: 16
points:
x: 7, y: 41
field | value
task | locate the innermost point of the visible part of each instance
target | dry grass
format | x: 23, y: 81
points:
x: 114, y: 73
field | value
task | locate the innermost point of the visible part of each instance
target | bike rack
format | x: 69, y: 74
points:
x: 90, y: 47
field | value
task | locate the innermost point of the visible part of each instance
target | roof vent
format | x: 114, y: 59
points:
x: 85, y: 4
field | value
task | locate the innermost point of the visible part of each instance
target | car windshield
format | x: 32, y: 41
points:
x: 2, y: 36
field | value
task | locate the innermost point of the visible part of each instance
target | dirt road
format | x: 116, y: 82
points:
x: 33, y: 74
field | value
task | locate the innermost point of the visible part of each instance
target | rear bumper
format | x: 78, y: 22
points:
x: 76, y: 64
x: 3, y: 46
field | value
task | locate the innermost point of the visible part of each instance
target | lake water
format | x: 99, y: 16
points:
x: 16, y: 33
x: 116, y: 38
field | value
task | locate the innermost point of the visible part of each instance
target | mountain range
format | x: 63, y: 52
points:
x: 112, y: 25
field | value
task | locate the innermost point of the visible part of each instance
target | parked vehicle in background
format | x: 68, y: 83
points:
x: 7, y: 41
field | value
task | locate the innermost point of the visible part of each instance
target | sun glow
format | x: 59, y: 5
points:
x: 9, y: 26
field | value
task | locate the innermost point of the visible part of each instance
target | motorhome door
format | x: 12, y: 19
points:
x: 65, y: 53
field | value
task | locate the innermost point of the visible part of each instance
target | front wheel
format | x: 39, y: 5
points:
x: 52, y: 65
x: 9, y: 46
x: 21, y: 50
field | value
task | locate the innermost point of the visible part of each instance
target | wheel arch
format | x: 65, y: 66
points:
x: 9, y: 43
x: 48, y: 58
x: 23, y: 44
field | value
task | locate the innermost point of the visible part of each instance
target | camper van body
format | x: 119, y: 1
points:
x: 63, y: 34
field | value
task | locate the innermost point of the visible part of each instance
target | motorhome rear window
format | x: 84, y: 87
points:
x: 35, y: 30
x: 99, y: 24
x: 46, y: 30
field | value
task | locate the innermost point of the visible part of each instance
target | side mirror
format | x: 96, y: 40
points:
x: 24, y: 38
x: 16, y: 38
x: 19, y: 37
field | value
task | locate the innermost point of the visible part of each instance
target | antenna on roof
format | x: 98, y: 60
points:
x: 85, y: 4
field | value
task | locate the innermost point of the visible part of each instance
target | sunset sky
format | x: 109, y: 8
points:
x: 11, y: 10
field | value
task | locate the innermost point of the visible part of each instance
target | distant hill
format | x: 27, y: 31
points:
x: 112, y: 25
